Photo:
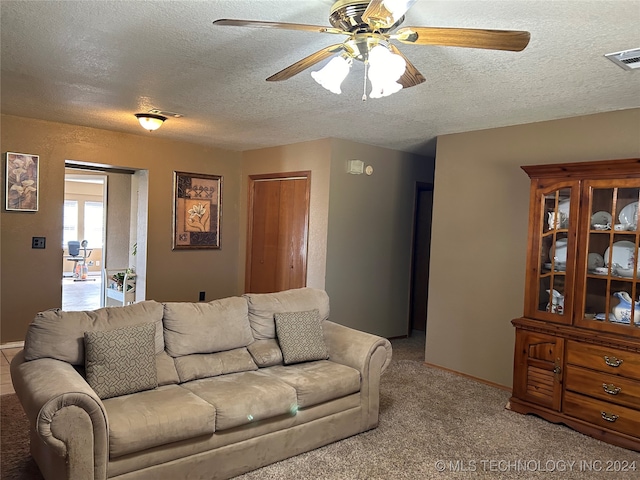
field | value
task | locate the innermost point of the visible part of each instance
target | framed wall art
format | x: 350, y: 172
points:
x: 22, y: 175
x: 196, y: 210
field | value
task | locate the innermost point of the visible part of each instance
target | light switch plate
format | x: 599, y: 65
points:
x: 38, y: 242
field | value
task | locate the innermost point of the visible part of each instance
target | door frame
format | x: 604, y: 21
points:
x: 420, y: 187
x: 252, y: 179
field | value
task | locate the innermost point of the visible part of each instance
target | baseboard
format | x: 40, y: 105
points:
x: 477, y: 379
x: 12, y: 345
x: 397, y: 338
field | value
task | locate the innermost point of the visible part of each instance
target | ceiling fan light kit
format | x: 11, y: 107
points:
x: 385, y: 68
x: 369, y: 26
x: 150, y: 121
x: 333, y: 73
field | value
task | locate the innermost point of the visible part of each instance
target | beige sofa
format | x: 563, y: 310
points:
x: 194, y: 390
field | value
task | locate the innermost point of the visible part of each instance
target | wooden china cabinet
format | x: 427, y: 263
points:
x: 577, y: 349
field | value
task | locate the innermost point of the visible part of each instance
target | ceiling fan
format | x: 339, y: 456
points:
x: 370, y: 24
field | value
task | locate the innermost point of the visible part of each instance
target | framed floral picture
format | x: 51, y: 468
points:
x: 22, y: 175
x: 196, y: 210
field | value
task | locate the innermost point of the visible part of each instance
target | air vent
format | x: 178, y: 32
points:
x: 627, y: 59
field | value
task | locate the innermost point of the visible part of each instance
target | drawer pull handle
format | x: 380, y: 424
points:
x: 612, y: 361
x: 609, y: 417
x: 611, y: 389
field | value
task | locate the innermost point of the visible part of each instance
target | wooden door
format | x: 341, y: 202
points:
x: 537, y: 376
x: 277, y: 234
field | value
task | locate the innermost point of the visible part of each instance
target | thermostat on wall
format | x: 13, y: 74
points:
x: 355, y: 167
x: 368, y: 170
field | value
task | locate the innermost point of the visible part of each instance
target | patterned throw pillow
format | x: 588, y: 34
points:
x: 121, y: 361
x: 300, y: 336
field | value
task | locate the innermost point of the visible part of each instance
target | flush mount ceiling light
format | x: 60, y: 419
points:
x: 150, y: 121
x: 370, y: 26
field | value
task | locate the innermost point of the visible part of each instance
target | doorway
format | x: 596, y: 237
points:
x: 123, y: 224
x: 83, y: 240
x: 420, y: 259
x: 278, y: 231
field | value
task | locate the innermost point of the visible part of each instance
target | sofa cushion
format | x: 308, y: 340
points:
x: 266, y: 353
x: 318, y: 382
x: 242, y: 398
x: 156, y: 417
x: 262, y: 307
x: 167, y: 373
x: 206, y: 327
x: 60, y: 335
x: 193, y: 367
x: 121, y: 361
x: 300, y: 336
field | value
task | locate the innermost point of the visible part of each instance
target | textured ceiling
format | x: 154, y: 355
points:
x: 96, y: 63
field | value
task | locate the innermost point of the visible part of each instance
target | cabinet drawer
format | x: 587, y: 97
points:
x: 610, y: 388
x: 621, y: 419
x: 604, y: 359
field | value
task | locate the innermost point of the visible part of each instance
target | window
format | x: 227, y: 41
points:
x: 93, y: 224
x: 70, y: 222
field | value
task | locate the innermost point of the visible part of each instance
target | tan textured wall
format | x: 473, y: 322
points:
x: 30, y: 279
x: 360, y: 226
x: 479, y: 236
x: 314, y: 156
x: 370, y: 236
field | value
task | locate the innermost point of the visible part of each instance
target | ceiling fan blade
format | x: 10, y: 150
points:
x: 411, y: 76
x: 281, y: 25
x: 513, y: 40
x: 384, y: 13
x: 305, y: 63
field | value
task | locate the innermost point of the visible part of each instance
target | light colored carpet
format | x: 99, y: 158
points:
x: 433, y: 425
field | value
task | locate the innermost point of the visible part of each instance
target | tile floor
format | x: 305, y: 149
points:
x: 81, y: 295
x: 6, y: 354
x: 75, y: 296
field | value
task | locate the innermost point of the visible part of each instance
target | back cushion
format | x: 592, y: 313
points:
x: 206, y: 327
x: 194, y: 367
x: 263, y: 306
x: 60, y: 335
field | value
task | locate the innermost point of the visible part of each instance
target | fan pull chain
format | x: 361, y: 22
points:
x: 364, y: 89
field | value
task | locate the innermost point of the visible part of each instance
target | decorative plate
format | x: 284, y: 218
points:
x: 560, y: 251
x: 629, y: 214
x: 623, y: 254
x: 601, y: 218
x: 594, y: 261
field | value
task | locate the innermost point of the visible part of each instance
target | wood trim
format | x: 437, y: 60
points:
x: 570, y: 332
x: 596, y: 169
x: 282, y: 175
x: 470, y: 377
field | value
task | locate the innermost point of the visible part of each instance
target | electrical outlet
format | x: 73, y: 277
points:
x: 97, y: 263
x: 38, y: 242
x: 201, y: 299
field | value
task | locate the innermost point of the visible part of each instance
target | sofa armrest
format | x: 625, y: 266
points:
x: 369, y: 354
x: 353, y: 347
x: 68, y: 420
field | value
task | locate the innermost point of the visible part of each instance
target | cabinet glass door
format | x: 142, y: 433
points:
x: 552, y: 267
x: 612, y: 283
